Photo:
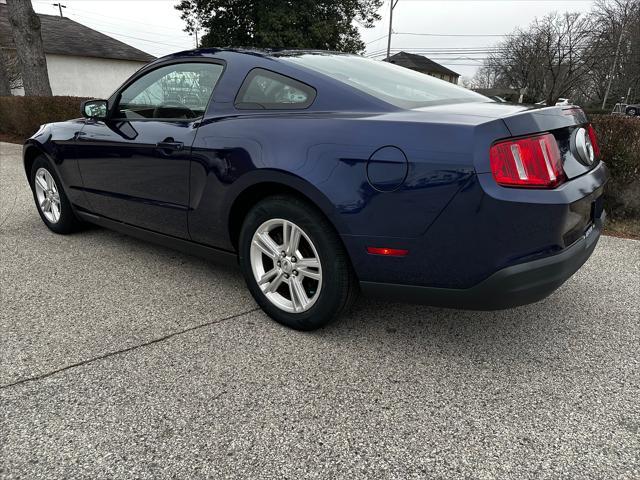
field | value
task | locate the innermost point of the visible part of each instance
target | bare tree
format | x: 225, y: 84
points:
x: 567, y: 55
x: 517, y: 63
x: 25, y: 27
x: 485, y: 77
x: 554, y: 57
x: 618, y: 30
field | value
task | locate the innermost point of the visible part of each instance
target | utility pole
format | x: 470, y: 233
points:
x: 60, y: 7
x: 628, y: 15
x: 392, y: 5
x: 613, y: 68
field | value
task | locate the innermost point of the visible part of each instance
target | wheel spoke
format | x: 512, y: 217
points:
x: 310, y: 274
x: 49, y: 181
x: 308, y: 263
x: 55, y: 211
x: 299, y: 297
x: 267, y: 276
x: 294, y: 300
x: 285, y: 236
x: 273, y: 286
x: 45, y: 205
x: 292, y: 240
x: 266, y: 244
x: 42, y: 183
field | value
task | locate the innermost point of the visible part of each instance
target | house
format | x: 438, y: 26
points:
x: 81, y: 61
x: 422, y: 64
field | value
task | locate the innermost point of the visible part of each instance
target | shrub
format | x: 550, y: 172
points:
x: 619, y: 140
x: 597, y: 111
x: 22, y: 116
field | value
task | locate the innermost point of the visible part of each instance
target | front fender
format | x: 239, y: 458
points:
x: 56, y: 141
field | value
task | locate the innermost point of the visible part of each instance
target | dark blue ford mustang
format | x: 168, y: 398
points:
x: 324, y: 174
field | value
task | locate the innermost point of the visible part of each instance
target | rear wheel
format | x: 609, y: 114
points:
x: 632, y: 111
x: 294, y: 263
x: 51, y: 201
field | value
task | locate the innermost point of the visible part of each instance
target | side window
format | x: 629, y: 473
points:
x: 180, y: 91
x: 267, y: 90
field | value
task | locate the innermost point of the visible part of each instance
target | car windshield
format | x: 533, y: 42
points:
x: 393, y: 84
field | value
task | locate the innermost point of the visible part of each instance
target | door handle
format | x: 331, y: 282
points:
x: 170, y: 145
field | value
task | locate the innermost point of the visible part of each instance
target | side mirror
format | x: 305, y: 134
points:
x: 95, y: 109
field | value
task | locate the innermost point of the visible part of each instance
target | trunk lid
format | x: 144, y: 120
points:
x: 563, y: 123
x: 526, y: 120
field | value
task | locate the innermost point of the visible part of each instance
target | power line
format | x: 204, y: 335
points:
x: 454, y: 34
x: 110, y: 24
x: 120, y: 19
x: 145, y: 39
x: 377, y: 39
x: 87, y: 17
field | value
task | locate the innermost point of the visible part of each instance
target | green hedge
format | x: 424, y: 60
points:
x: 22, y: 116
x: 619, y: 140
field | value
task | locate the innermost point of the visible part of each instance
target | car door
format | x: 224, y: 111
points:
x: 135, y: 164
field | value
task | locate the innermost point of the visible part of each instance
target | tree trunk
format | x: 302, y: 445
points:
x: 5, y: 86
x: 25, y: 27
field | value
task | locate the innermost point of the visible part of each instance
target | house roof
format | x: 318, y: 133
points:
x: 419, y: 63
x: 63, y: 36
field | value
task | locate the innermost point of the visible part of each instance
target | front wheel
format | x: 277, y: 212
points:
x: 632, y: 112
x: 294, y: 263
x: 51, y: 201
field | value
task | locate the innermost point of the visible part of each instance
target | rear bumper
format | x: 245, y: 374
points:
x: 516, y: 285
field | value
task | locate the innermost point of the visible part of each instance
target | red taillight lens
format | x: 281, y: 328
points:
x: 533, y: 162
x: 594, y: 141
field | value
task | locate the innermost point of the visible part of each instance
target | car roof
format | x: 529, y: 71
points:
x: 260, y: 52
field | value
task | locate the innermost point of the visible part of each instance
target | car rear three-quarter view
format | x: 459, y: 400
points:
x: 325, y: 174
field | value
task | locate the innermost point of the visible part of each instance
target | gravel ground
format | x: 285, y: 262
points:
x: 120, y: 359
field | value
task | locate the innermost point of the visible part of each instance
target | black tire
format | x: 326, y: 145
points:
x: 339, y: 286
x: 67, y: 223
x: 632, y: 112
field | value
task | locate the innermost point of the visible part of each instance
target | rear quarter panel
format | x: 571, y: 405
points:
x: 324, y: 155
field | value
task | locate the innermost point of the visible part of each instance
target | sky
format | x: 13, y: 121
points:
x: 455, y: 33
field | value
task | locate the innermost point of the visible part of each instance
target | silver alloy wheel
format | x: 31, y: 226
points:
x: 286, y: 265
x: 48, y: 195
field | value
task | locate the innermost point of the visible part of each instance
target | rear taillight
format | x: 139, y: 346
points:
x: 594, y: 141
x: 533, y: 162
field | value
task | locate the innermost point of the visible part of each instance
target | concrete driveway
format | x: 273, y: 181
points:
x: 120, y: 359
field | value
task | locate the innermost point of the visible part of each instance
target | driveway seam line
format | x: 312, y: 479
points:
x: 125, y: 350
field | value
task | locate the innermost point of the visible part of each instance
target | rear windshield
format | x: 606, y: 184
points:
x: 393, y: 84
